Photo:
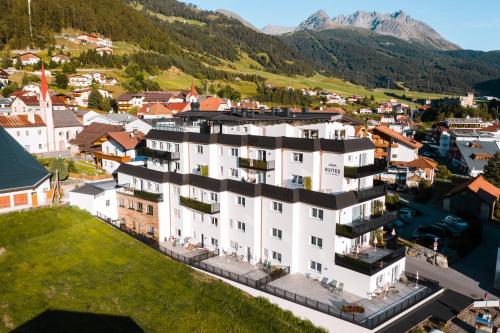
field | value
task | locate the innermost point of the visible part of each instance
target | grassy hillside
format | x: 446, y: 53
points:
x: 64, y: 259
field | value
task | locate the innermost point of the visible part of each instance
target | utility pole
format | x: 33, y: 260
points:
x: 29, y: 17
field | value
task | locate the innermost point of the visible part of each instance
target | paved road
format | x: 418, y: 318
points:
x: 472, y: 275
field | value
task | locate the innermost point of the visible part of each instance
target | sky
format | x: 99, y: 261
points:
x: 470, y: 24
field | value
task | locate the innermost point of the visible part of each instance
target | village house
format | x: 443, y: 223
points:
x: 160, y: 110
x: 27, y: 59
x: 104, y: 50
x: 4, y: 78
x: 117, y: 148
x: 393, y: 146
x: 80, y: 97
x: 25, y: 183
x: 128, y: 101
x: 87, y: 141
x: 61, y: 58
x: 214, y: 104
x: 94, y: 40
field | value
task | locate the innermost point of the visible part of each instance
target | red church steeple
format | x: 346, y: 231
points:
x: 44, y: 87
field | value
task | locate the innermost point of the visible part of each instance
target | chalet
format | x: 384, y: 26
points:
x: 215, y: 104
x: 61, y: 58
x: 393, y: 146
x: 24, y: 183
x: 476, y: 198
x: 86, y: 142
x: 117, y: 148
x: 385, y: 108
x: 128, y: 101
x: 27, y: 59
x: 102, y: 50
x: 160, y: 110
x: 80, y: 97
x: 94, y: 40
x: 192, y: 96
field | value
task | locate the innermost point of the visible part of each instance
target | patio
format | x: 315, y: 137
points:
x: 370, y: 254
x: 181, y: 250
x: 236, y: 266
x: 312, y: 289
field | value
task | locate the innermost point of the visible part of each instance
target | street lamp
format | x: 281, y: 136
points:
x: 416, y: 281
x: 435, y: 247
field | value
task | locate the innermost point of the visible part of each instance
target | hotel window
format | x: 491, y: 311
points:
x: 150, y: 209
x: 234, y: 172
x: 139, y: 206
x: 39, y: 132
x: 5, y: 201
x: 235, y: 152
x: 233, y: 245
x: 277, y: 233
x: 40, y: 146
x: 277, y: 207
x: 297, y: 180
x: 107, y: 203
x: 177, y: 166
x: 176, y: 190
x: 161, y: 145
x: 149, y: 185
x: 179, y: 233
x: 21, y: 199
x: 277, y: 256
x: 169, y: 146
x: 240, y: 201
x: 157, y: 187
x: 316, y: 241
x: 177, y: 147
x: 241, y: 226
x: 27, y: 133
x: 310, y: 134
x: 214, y: 221
x: 213, y: 196
x: 315, y: 266
x: 151, y: 230
x: 130, y: 204
x: 18, y: 133
x: 154, y: 144
x: 121, y: 202
x: 298, y: 157
x: 214, y: 241
x: 134, y: 181
x: 199, y: 149
x: 317, y: 213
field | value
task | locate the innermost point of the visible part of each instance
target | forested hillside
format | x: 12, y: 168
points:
x: 374, y: 60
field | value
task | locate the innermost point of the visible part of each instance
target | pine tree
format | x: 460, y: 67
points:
x: 492, y: 170
x: 61, y: 81
x: 95, y: 99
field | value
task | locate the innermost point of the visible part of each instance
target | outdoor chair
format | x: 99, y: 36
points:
x: 332, y: 286
x: 404, y: 279
x: 324, y: 282
x: 340, y: 288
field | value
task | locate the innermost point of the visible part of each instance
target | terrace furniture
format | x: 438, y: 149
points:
x: 308, y: 275
x: 332, y: 286
x: 404, y: 279
x: 324, y: 282
x: 340, y: 288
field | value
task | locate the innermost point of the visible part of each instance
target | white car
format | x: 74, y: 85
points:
x: 456, y: 222
x: 407, y: 212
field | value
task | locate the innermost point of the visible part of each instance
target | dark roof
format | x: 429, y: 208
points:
x: 95, y: 188
x: 302, y: 144
x: 18, y: 170
x: 320, y: 199
x: 65, y: 118
x: 90, y: 134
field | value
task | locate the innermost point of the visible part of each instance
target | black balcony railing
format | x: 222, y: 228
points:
x: 362, y: 226
x: 370, y: 193
x: 207, y: 208
x: 249, y: 163
x: 359, y: 265
x: 163, y: 155
x: 365, y: 170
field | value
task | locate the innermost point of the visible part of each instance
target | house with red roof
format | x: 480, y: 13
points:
x: 162, y: 110
x: 476, y: 198
x: 394, y: 146
x: 214, y: 104
x: 27, y: 59
x: 117, y: 148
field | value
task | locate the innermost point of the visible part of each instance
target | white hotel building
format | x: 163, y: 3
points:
x: 295, y: 190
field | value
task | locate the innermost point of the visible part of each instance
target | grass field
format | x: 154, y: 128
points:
x: 64, y: 259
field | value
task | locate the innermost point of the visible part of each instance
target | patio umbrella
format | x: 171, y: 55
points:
x: 375, y: 242
x: 416, y: 283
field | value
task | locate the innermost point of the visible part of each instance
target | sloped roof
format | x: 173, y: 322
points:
x: 19, y: 169
x: 65, y: 118
x: 212, y: 103
x: 479, y: 186
x: 91, y: 134
x: 398, y: 136
x: 125, y: 139
x: 14, y: 121
x: 423, y: 163
x: 156, y: 109
x: 474, y: 153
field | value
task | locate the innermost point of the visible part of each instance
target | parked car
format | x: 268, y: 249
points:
x: 450, y: 229
x: 402, y: 188
x: 431, y: 229
x: 405, y: 218
x: 407, y: 211
x: 428, y: 240
x: 455, y: 222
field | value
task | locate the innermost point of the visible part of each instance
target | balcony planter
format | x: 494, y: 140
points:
x: 307, y: 183
x: 249, y: 163
x: 203, y: 207
x: 353, y: 308
x: 204, y: 171
x: 163, y: 155
x: 154, y: 197
x: 364, y: 171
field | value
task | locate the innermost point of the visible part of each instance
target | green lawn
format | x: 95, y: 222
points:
x: 64, y: 259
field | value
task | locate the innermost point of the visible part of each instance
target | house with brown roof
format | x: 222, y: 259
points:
x: 87, y: 141
x: 476, y: 198
x: 214, y: 104
x: 161, y: 110
x: 422, y: 168
x: 29, y: 130
x: 117, y: 148
x: 128, y: 101
x: 393, y: 146
x: 27, y: 59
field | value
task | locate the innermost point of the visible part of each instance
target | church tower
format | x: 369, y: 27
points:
x: 46, y: 111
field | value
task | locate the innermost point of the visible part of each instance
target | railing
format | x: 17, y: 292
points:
x: 430, y: 286
x: 148, y: 196
x: 364, y: 171
x: 207, y: 208
x: 250, y: 163
x: 367, y: 268
x: 163, y: 155
x: 373, y: 192
x: 120, y: 159
x: 364, y: 225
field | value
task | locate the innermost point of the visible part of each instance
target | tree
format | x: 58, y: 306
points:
x: 61, y: 81
x: 19, y: 64
x: 443, y: 172
x: 60, y: 165
x: 492, y: 170
x: 27, y: 79
x: 230, y: 93
x: 95, y: 99
x: 8, y: 90
x: 69, y: 68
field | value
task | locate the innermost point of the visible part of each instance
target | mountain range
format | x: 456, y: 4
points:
x: 374, y: 50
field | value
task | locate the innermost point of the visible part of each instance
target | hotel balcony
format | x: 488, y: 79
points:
x: 121, y: 159
x: 207, y: 208
x: 364, y: 171
x: 148, y: 196
x: 362, y: 226
x: 163, y: 155
x: 373, y: 192
x: 371, y: 260
x: 249, y: 163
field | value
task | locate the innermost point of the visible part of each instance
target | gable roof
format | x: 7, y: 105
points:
x: 125, y: 139
x: 65, y: 118
x: 475, y: 153
x: 90, y: 134
x: 14, y: 121
x: 480, y: 187
x: 156, y: 109
x: 423, y: 163
x: 212, y: 103
x: 398, y: 136
x: 20, y: 170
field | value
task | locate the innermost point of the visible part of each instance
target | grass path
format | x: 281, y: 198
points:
x: 64, y: 259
